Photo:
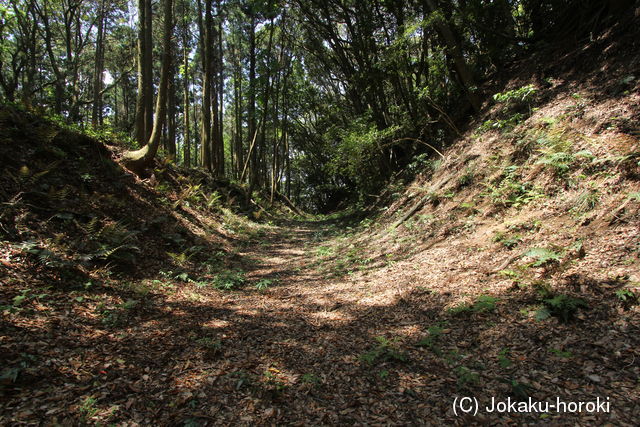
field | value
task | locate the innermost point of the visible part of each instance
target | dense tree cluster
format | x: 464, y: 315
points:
x: 318, y: 100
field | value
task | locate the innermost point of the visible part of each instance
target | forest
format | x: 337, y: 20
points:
x: 319, y: 212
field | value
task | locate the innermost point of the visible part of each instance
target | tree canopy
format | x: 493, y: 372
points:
x: 321, y: 101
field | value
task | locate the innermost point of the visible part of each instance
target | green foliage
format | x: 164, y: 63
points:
x: 543, y: 256
x: 509, y: 191
x: 508, y: 240
x: 627, y: 297
x: 587, y: 200
x: 512, y: 102
x: 503, y: 124
x: 484, y: 303
x: 264, y: 284
x: 324, y: 251
x: 431, y: 340
x: 384, y: 351
x: 88, y: 409
x: 116, y: 316
x: 503, y: 358
x: 520, y: 391
x: 44, y: 256
x: 274, y: 382
x: 560, y: 353
x: 562, y: 306
x: 229, y: 280
x: 423, y: 163
x: 557, y: 155
x: 112, y: 241
x: 466, y: 178
x: 210, y: 344
x: 357, y: 145
x: 19, y: 301
x: 559, y: 162
x: 466, y: 376
x: 524, y: 95
x: 310, y: 378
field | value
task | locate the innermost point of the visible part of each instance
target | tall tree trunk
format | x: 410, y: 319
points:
x: 144, y: 101
x: 187, y: 137
x: 148, y: 69
x: 171, y: 115
x: 237, y: 102
x: 196, y: 150
x: 205, y: 45
x: 138, y: 160
x: 220, y: 70
x: 260, y: 147
x: 251, y: 108
x: 96, y: 113
x: 212, y: 76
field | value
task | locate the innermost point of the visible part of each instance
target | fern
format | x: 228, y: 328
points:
x: 562, y: 306
x: 543, y: 256
x: 559, y: 162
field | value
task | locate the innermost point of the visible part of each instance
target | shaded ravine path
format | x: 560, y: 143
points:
x: 320, y: 345
x: 304, y: 338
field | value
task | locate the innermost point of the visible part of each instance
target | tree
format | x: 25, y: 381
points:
x: 138, y: 160
x: 144, y: 102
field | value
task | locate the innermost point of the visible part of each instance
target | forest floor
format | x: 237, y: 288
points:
x: 508, y: 269
x: 313, y: 332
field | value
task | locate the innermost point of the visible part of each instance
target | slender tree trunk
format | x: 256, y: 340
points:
x: 237, y: 102
x: 171, y: 116
x: 205, y: 49
x: 148, y: 69
x: 138, y: 160
x: 96, y: 113
x: 187, y: 136
x: 212, y: 75
x: 145, y: 84
x: 196, y: 141
x: 251, y: 109
x: 220, y: 66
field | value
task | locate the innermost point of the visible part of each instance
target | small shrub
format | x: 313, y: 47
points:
x: 210, y: 344
x: 560, y: 353
x: 229, y: 280
x: 88, y: 409
x: 524, y: 95
x: 503, y: 358
x: 627, y: 298
x: 519, y: 390
x: 431, y: 340
x: 508, y: 241
x: 309, y: 378
x: 467, y: 178
x: 275, y: 384
x: 509, y: 191
x: 543, y: 256
x: 564, y: 307
x: 483, y: 304
x: 586, y: 201
x: 263, y: 284
x: 385, y: 351
x: 466, y: 376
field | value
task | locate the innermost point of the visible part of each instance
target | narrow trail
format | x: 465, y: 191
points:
x: 310, y: 349
x: 327, y: 340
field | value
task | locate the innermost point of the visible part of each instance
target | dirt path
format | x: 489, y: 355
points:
x: 324, y: 332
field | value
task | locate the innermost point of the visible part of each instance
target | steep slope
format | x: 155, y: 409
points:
x: 514, y: 260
